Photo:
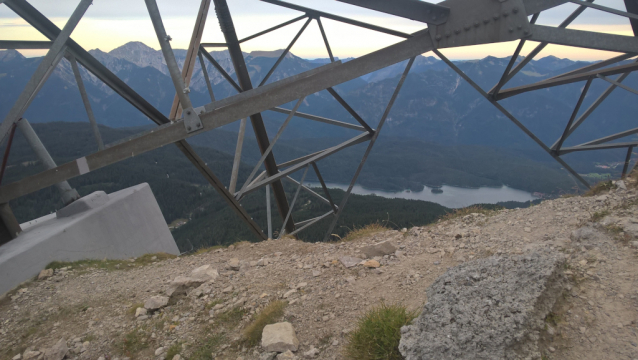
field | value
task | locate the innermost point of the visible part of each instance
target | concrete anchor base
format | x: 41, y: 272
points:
x: 127, y: 223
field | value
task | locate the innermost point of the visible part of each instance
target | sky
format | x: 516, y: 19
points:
x: 108, y: 24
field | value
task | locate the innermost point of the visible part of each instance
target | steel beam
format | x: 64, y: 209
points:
x: 540, y: 46
x: 512, y: 61
x: 627, y: 160
x: 292, y: 203
x: 285, y: 52
x: 87, y: 103
x: 305, y: 224
x: 319, y: 119
x: 219, y: 68
x: 308, y: 190
x: 191, y: 56
x: 237, y: 160
x: 374, y: 138
x: 605, y: 9
x: 595, y: 66
x: 536, y: 6
x: 48, y: 29
x: 595, y: 104
x: 268, y: 150
x: 237, y: 57
x: 325, y: 39
x: 583, y: 94
x: 571, y: 149
x: 253, y: 101
x: 567, y: 80
x: 191, y: 119
x: 409, y: 9
x: 206, y: 77
x: 512, y: 118
x: 315, y: 13
x: 325, y: 188
x: 272, y: 28
x: 21, y: 44
x: 613, y: 137
x: 614, y: 82
x: 632, y: 7
x: 349, y: 109
x: 584, y: 39
x: 68, y: 193
x: 292, y: 169
x: 44, y: 69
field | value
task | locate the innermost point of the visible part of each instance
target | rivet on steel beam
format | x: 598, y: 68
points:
x: 511, y: 29
x: 486, y: 21
x: 515, y: 10
x: 496, y: 16
x: 438, y: 37
x: 505, y: 14
x: 188, y: 112
x: 468, y: 27
x: 447, y: 34
x: 477, y: 24
x: 457, y: 31
x: 520, y: 27
x: 188, y: 128
x: 526, y: 32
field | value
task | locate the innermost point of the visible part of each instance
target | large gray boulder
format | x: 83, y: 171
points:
x: 490, y: 308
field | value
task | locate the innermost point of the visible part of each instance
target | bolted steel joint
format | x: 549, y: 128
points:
x: 168, y: 38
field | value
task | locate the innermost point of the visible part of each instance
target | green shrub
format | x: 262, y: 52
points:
x: 378, y: 333
x: 269, y: 315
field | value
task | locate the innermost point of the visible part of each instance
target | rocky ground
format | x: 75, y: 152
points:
x: 94, y: 312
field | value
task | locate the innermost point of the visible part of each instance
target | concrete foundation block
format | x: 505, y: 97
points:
x: 124, y: 224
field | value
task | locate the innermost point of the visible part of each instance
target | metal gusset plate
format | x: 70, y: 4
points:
x: 409, y: 9
x: 474, y: 22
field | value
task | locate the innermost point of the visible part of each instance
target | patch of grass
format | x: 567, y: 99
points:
x: 367, y: 230
x: 601, y: 187
x: 378, y: 333
x: 553, y: 319
x: 469, y: 210
x: 131, y: 310
x: 231, y: 318
x: 205, y: 250
x: 134, y: 342
x: 110, y: 265
x: 599, y: 215
x: 209, y: 345
x: 212, y: 304
x: 269, y: 315
x: 173, y: 350
x: 614, y: 229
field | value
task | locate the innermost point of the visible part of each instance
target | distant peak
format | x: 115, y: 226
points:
x: 271, y: 53
x: 8, y: 55
x: 132, y: 46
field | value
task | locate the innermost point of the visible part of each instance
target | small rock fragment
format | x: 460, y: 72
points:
x: 45, y: 274
x: 206, y: 273
x: 279, y: 337
x: 371, y: 264
x: 380, y: 249
x: 233, y: 264
x: 156, y: 302
x: 140, y: 311
x: 349, y: 261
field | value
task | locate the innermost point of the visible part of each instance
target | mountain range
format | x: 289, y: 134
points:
x: 435, y: 105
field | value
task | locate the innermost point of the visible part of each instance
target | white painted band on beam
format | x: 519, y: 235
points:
x: 83, y: 166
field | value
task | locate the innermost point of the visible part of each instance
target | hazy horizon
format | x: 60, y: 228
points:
x: 106, y: 25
